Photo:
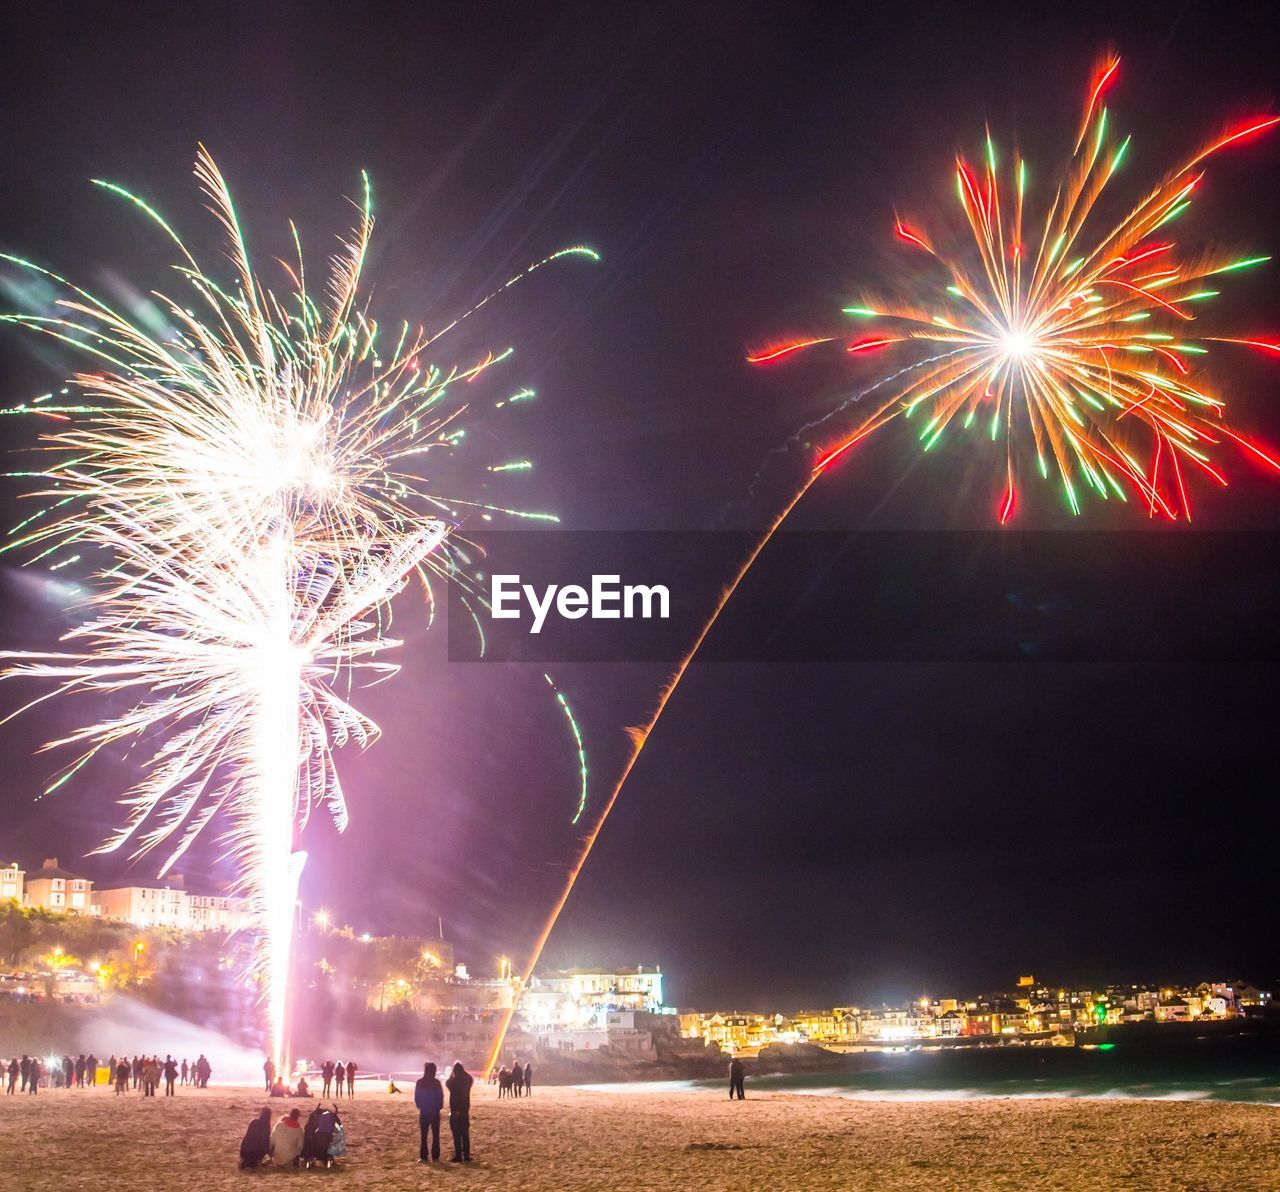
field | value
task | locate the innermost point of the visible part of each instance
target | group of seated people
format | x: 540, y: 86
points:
x: 292, y: 1143
x: 280, y: 1089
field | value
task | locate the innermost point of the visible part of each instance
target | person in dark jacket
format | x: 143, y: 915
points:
x: 91, y: 1069
x: 13, y: 1070
x: 269, y: 1071
x: 170, y: 1074
x: 737, y: 1074
x: 459, y: 1085
x: 25, y: 1069
x: 256, y: 1143
x: 326, y: 1072
x: 517, y: 1079
x: 317, y: 1137
x: 351, y: 1078
x: 428, y: 1096
x: 79, y: 1070
x: 203, y: 1072
x: 122, y: 1076
x: 528, y: 1079
x: 33, y: 1075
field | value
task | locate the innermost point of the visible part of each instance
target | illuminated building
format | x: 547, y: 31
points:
x: 169, y: 904
x: 54, y: 889
x: 11, y: 882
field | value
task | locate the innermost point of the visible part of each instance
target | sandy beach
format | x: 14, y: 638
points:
x: 575, y: 1139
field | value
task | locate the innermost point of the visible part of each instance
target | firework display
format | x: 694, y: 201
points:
x: 242, y: 481
x: 1072, y: 339
x: 1069, y: 342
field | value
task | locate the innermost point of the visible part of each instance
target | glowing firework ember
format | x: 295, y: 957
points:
x: 249, y: 480
x: 1070, y: 338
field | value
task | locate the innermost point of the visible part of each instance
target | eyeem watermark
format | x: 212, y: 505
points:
x: 608, y: 599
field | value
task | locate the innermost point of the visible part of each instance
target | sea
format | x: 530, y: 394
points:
x: 1184, y: 1066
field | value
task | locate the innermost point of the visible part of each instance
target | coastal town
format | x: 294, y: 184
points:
x: 594, y: 1016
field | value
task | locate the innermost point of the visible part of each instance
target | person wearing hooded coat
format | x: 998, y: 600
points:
x: 428, y: 1096
x: 256, y: 1144
x: 459, y: 1085
x: 286, y: 1139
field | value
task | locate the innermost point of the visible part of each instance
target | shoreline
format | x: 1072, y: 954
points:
x: 586, y: 1140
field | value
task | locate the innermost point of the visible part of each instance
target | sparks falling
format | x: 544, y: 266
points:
x: 248, y: 482
x: 1071, y: 341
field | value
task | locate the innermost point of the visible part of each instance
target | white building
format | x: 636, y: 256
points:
x: 169, y: 904
x: 11, y: 884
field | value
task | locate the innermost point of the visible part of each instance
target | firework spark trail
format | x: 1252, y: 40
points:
x: 576, y: 733
x: 248, y: 481
x: 1038, y: 331
x: 639, y: 738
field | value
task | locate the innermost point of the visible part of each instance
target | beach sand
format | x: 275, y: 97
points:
x: 576, y: 1139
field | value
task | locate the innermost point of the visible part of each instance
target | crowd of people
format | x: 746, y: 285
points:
x: 321, y: 1139
x: 30, y: 1073
x: 333, y: 1074
x: 514, y: 1081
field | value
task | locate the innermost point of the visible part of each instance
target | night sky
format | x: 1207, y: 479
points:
x: 794, y: 834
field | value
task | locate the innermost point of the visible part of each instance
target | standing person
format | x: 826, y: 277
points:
x: 517, y: 1078
x: 150, y: 1076
x: 203, y: 1071
x: 269, y: 1071
x: 737, y: 1074
x: 428, y: 1096
x: 459, y: 1085
x: 137, y: 1070
x: 170, y: 1075
x: 528, y: 1078
x: 13, y: 1070
x: 80, y: 1071
x: 91, y: 1069
x: 504, y: 1082
x: 68, y: 1071
x: 351, y: 1078
x: 339, y: 1075
x: 286, y: 1139
x: 326, y: 1073
x: 122, y: 1076
x: 34, y: 1074
x: 182, y: 1070
x: 256, y: 1143
x: 25, y: 1069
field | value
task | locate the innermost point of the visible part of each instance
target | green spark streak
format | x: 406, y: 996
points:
x: 1174, y: 213
x: 1239, y: 265
x: 520, y: 395
x: 516, y: 465
x: 577, y: 739
x: 862, y: 312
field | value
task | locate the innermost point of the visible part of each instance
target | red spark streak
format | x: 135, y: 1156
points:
x: 1231, y: 137
x: 1098, y: 88
x: 767, y: 354
x: 1262, y: 455
x: 1006, y: 510
x: 866, y: 345
x: 1249, y: 343
x: 905, y: 233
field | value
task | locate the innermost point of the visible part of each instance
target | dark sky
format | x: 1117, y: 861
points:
x: 794, y: 833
